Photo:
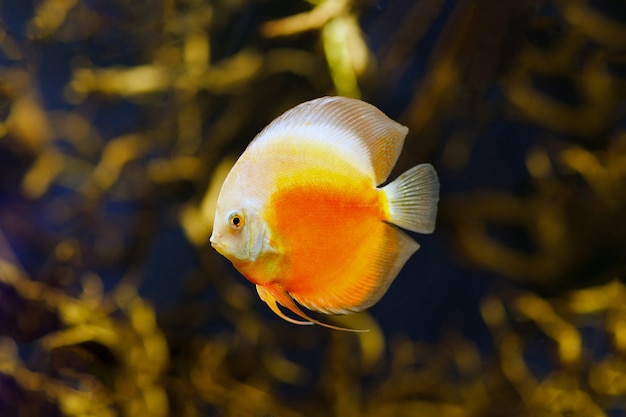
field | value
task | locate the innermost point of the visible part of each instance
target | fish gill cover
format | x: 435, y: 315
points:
x: 119, y: 119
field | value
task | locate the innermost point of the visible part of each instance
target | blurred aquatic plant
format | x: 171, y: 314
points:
x: 120, y: 119
x: 570, y: 79
x: 132, y: 343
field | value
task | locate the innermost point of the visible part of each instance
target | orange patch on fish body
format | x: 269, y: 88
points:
x: 324, y: 227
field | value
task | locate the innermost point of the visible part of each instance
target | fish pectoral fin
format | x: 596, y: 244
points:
x: 274, y: 296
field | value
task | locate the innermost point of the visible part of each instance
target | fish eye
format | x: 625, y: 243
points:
x: 235, y: 220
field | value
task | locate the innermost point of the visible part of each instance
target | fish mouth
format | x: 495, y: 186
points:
x: 215, y: 244
x: 221, y: 248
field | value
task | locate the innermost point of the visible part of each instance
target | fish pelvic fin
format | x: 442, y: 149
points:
x: 267, y: 295
x: 274, y: 295
x: 412, y: 199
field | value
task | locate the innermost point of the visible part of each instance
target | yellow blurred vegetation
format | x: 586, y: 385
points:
x: 74, y: 344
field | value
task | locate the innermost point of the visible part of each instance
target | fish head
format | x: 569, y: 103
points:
x: 239, y: 232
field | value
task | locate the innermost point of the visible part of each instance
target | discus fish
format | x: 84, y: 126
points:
x: 302, y: 216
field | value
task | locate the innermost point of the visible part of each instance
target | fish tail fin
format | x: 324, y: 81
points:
x: 412, y: 199
x: 274, y: 296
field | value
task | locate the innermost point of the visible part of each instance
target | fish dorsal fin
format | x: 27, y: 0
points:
x: 357, y: 129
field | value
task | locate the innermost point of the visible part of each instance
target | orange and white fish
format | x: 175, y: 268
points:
x: 300, y: 214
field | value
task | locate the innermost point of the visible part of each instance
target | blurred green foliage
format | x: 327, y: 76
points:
x: 86, y: 198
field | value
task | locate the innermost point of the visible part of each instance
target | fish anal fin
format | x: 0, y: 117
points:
x: 273, y: 295
x: 364, y: 278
